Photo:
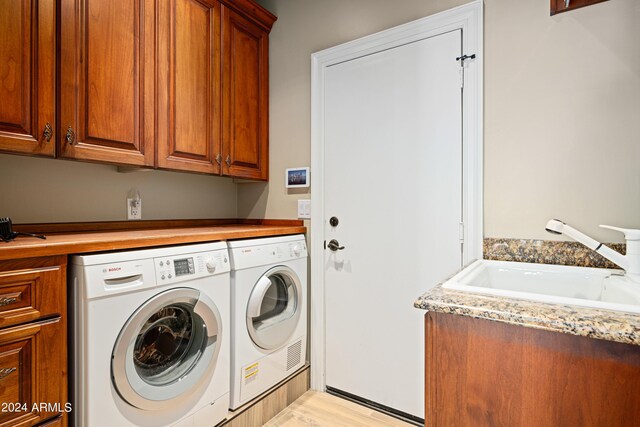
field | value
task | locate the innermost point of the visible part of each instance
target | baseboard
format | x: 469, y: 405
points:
x: 266, y: 406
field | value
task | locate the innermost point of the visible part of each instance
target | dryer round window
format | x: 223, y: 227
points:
x: 273, y: 311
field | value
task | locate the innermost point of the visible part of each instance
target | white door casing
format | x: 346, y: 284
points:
x: 466, y: 19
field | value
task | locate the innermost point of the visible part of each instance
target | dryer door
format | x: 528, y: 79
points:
x: 274, y: 308
x: 167, y: 348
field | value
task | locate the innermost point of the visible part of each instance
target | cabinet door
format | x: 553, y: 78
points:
x: 189, y: 94
x: 245, y: 53
x: 32, y: 373
x: 107, y: 63
x: 27, y: 77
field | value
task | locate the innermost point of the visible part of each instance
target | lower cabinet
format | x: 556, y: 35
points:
x: 33, y: 355
x: 485, y: 373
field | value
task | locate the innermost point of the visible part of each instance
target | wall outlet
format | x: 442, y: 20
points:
x: 134, y: 208
x: 304, y: 209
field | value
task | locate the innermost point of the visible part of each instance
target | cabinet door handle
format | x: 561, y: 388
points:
x: 71, y: 136
x: 5, y: 372
x: 219, y: 159
x: 228, y: 161
x: 47, y: 133
x: 7, y: 301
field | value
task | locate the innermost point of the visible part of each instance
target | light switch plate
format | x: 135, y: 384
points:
x: 304, y: 209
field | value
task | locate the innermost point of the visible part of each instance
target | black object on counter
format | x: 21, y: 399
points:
x: 7, y: 234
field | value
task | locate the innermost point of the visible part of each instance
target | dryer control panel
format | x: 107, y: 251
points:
x: 253, y: 256
x: 170, y: 269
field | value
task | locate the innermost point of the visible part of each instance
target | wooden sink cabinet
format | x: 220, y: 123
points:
x: 486, y: 373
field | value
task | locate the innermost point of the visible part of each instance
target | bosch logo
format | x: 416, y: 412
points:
x: 111, y: 269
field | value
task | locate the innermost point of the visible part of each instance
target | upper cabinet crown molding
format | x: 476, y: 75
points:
x: 27, y: 77
x: 252, y: 11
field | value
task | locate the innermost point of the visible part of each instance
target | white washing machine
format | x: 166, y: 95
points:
x: 151, y: 337
x: 268, y: 313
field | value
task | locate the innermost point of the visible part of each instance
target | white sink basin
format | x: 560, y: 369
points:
x: 588, y: 287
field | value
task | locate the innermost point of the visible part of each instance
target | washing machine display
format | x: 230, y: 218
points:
x: 274, y: 306
x: 166, y: 348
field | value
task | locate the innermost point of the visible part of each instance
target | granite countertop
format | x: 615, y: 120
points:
x: 587, y: 322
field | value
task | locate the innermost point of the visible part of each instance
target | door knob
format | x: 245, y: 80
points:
x: 334, y: 245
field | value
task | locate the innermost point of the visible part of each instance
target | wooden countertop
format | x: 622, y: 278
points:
x: 154, y: 233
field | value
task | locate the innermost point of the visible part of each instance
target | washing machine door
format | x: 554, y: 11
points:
x: 273, y: 310
x: 166, y: 349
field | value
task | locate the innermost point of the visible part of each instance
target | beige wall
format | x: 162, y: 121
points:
x: 47, y: 190
x: 562, y: 102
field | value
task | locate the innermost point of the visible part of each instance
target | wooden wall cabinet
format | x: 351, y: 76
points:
x: 27, y: 77
x: 558, y: 6
x: 176, y: 84
x: 107, y: 81
x: 189, y: 113
x: 33, y: 343
x: 245, y: 85
x: 482, y: 373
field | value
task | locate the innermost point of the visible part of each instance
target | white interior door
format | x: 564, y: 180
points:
x: 393, y: 179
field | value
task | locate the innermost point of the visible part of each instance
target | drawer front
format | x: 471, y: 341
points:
x: 32, y: 372
x: 27, y: 295
x: 56, y: 422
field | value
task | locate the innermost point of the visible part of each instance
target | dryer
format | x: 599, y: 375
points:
x: 268, y: 313
x: 151, y: 338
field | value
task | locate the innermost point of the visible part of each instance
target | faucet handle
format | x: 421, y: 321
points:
x: 629, y: 233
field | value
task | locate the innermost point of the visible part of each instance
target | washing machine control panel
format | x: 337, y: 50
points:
x: 177, y: 268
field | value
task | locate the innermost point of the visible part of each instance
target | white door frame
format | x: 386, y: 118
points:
x: 468, y: 18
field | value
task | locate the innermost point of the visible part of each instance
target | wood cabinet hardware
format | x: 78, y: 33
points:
x: 5, y: 372
x: 47, y: 133
x: 7, y: 301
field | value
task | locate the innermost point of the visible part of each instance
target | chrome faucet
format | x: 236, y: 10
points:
x: 630, y: 262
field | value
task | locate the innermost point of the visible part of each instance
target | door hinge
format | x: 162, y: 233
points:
x: 462, y: 232
x: 465, y: 57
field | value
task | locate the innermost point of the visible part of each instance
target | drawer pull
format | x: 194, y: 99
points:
x: 5, y: 372
x: 7, y: 301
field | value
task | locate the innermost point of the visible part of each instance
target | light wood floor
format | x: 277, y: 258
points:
x: 321, y: 409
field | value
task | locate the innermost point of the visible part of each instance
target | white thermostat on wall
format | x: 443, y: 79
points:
x: 296, y: 177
